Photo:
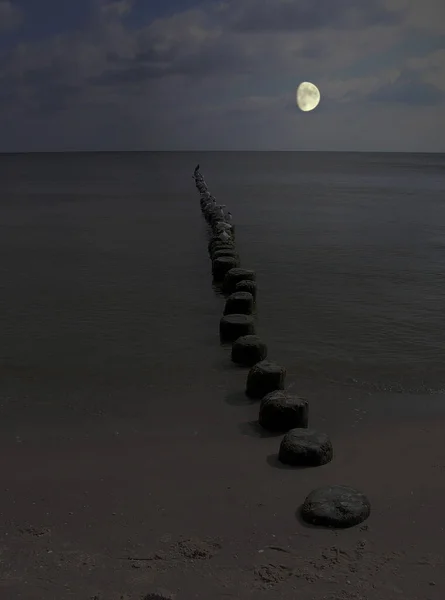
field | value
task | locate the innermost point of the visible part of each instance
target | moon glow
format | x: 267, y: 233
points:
x: 308, y: 96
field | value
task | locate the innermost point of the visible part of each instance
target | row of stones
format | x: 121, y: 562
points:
x: 332, y: 506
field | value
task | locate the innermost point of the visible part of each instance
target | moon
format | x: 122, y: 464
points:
x: 308, y: 96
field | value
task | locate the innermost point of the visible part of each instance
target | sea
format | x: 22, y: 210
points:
x: 106, y: 288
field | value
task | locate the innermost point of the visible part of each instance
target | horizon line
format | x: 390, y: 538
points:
x: 3, y: 153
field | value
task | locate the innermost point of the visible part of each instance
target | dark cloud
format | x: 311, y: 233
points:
x: 53, y: 98
x: 128, y: 74
x: 37, y: 92
x: 210, y: 76
x: 10, y: 15
x: 52, y: 75
x: 303, y: 15
x: 214, y: 57
x: 40, y: 83
x: 408, y: 90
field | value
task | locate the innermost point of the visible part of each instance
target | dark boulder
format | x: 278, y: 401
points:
x: 281, y: 411
x: 263, y: 378
x: 337, y: 506
x: 223, y: 264
x: 226, y: 249
x: 224, y: 252
x: 240, y: 303
x: 305, y: 448
x: 219, y: 226
x: 224, y: 237
x: 216, y: 240
x: 248, y: 350
x: 209, y: 212
x: 246, y: 285
x: 221, y: 244
x: 231, y: 327
x: 234, y: 276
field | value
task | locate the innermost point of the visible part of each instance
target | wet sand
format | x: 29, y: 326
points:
x: 186, y: 498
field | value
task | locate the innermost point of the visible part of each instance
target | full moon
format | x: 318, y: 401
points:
x: 308, y: 96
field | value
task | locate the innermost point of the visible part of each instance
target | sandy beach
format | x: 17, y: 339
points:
x: 188, y: 501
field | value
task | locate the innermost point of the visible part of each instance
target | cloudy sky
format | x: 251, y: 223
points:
x: 221, y: 75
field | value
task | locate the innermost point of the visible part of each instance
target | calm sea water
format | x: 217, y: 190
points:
x: 105, y: 281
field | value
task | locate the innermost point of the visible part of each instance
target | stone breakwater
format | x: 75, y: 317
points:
x: 337, y: 506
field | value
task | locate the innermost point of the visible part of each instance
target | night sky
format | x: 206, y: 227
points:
x: 187, y: 75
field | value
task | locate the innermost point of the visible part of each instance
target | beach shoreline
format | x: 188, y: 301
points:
x: 197, y: 507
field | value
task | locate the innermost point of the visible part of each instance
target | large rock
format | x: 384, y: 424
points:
x: 234, y: 276
x: 224, y: 237
x: 305, y: 448
x: 221, y: 226
x: 221, y: 245
x: 224, y: 252
x: 209, y: 212
x: 231, y: 327
x: 240, y: 303
x: 336, y: 506
x: 246, y: 285
x: 216, y: 216
x: 248, y: 350
x: 233, y: 253
x: 263, y: 378
x: 221, y: 265
x: 216, y: 241
x: 281, y: 411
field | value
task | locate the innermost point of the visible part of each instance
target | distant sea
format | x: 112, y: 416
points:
x: 105, y: 279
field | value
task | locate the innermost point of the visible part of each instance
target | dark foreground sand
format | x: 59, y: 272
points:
x: 193, y: 504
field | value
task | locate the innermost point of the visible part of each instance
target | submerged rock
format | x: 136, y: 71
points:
x: 224, y: 252
x: 221, y: 265
x: 263, y: 378
x: 209, y: 212
x: 248, y: 350
x: 305, y: 448
x: 281, y: 411
x: 221, y: 226
x: 236, y: 275
x: 240, y: 303
x: 215, y: 240
x: 336, y: 506
x: 246, y: 285
x: 221, y: 245
x: 231, y: 327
